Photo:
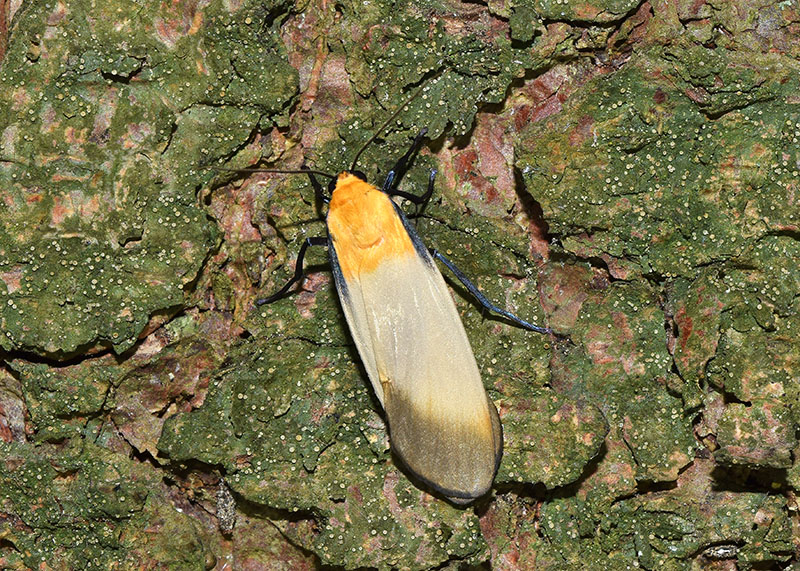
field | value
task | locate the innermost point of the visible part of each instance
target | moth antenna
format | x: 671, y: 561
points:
x: 282, y: 171
x: 385, y: 123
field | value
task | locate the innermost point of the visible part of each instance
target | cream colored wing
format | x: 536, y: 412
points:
x: 415, y: 350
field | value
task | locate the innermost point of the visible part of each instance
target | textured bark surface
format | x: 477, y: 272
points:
x: 624, y: 172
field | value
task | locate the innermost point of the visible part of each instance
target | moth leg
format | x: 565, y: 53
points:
x: 418, y: 200
x: 473, y: 289
x: 401, y: 166
x: 298, y: 269
x: 319, y: 193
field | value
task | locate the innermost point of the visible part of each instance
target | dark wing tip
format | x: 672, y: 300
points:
x: 458, y: 461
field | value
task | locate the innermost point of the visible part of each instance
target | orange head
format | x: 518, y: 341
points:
x: 364, y: 226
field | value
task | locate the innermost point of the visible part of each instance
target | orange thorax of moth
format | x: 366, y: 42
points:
x: 364, y: 227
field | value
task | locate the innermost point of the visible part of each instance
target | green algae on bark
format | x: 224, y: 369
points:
x: 259, y: 544
x: 682, y: 201
x: 296, y: 429
x: 60, y: 401
x: 94, y: 507
x: 667, y: 185
x: 666, y: 529
x: 621, y: 365
x: 759, y: 434
x: 102, y: 228
x: 548, y: 438
x: 144, y: 397
x: 635, y: 180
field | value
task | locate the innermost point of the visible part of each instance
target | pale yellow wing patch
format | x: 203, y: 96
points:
x: 408, y: 332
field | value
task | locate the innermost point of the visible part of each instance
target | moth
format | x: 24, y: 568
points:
x: 402, y: 318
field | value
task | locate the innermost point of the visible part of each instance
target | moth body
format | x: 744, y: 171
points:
x: 409, y: 336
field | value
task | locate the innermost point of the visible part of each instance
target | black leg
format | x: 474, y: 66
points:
x: 318, y: 191
x: 401, y: 166
x: 473, y: 289
x: 420, y: 201
x: 298, y: 269
x: 387, y: 184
